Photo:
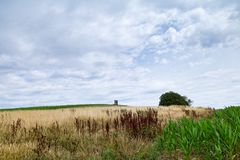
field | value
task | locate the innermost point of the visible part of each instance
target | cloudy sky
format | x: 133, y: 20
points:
x: 69, y: 51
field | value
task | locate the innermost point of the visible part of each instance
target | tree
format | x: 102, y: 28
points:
x: 172, y: 98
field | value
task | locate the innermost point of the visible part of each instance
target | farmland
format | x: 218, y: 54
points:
x: 120, y: 132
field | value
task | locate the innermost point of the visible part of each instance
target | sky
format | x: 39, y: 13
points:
x: 55, y: 52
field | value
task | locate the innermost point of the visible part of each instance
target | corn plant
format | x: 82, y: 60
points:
x: 216, y: 137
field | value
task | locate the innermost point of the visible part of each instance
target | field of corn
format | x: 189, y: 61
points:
x: 108, y: 133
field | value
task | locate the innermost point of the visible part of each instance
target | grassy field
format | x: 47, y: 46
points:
x: 113, y: 132
x: 55, y: 107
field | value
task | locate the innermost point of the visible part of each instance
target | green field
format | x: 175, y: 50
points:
x: 56, y: 107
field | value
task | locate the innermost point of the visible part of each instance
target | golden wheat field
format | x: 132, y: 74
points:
x: 46, y: 117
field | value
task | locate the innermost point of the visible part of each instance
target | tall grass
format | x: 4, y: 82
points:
x: 122, y: 136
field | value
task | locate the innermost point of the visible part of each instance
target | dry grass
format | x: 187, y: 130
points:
x: 47, y: 117
x: 15, y: 151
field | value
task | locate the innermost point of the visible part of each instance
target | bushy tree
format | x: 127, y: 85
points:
x: 172, y: 98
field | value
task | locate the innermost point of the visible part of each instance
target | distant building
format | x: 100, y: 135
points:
x: 115, y: 102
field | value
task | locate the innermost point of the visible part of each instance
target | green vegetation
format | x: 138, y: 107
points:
x: 57, y: 107
x: 172, y: 98
x: 214, y: 138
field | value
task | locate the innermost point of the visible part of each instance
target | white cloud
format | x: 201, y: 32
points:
x: 82, y: 52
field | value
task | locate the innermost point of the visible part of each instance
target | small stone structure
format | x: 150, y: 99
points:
x: 115, y: 102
